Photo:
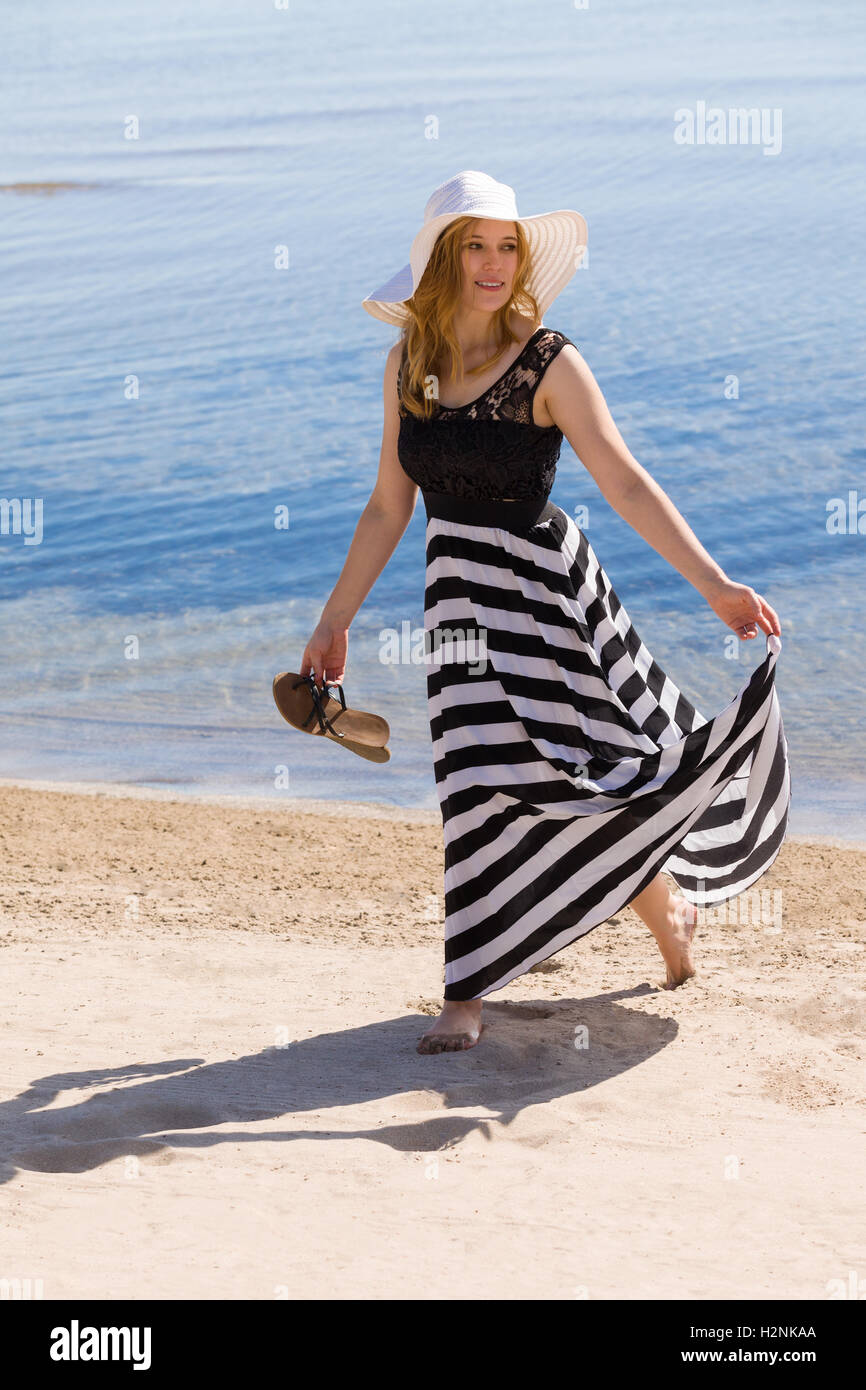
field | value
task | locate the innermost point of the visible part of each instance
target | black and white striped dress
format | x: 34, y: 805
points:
x: 570, y: 768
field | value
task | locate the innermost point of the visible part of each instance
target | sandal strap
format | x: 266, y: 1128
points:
x: 318, y: 708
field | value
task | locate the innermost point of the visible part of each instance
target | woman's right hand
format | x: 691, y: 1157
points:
x: 325, y: 653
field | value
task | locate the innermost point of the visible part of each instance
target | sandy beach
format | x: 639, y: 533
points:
x: 211, y: 1088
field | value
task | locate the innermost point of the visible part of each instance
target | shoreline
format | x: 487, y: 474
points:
x: 376, y: 810
x: 368, y: 810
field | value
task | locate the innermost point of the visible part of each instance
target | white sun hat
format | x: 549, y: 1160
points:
x: 557, y: 242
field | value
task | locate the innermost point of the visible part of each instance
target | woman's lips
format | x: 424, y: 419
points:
x: 491, y: 288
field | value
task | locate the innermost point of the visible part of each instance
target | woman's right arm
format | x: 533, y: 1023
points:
x: 379, y: 529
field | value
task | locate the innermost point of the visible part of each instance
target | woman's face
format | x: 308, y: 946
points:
x: 489, y: 257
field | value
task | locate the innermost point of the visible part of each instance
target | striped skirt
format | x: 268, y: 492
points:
x: 570, y: 769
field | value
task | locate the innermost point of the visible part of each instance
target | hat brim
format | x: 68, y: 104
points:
x: 386, y: 302
x: 557, y: 246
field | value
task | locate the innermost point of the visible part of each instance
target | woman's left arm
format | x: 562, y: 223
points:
x: 576, y: 404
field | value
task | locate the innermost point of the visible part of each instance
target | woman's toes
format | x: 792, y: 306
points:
x: 444, y: 1042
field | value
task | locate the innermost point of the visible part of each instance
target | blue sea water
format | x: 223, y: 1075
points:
x: 140, y: 636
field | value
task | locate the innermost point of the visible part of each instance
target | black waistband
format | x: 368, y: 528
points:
x: 511, y: 515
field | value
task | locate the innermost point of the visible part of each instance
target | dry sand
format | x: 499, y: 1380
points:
x: 211, y: 1088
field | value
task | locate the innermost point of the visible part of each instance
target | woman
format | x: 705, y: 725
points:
x: 570, y: 769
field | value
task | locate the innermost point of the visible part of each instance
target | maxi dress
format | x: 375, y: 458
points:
x: 570, y: 769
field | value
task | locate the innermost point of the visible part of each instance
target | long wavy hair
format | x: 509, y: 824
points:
x: 428, y: 335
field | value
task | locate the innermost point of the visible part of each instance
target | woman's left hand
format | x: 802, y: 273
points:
x: 743, y: 610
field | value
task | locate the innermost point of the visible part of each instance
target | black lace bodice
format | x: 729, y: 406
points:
x: 489, y: 448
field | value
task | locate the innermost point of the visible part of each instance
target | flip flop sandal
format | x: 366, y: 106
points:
x: 313, y: 711
x: 364, y: 750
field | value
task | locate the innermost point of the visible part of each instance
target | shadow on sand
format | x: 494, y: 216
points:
x: 530, y: 1053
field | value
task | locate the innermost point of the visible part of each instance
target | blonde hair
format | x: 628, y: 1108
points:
x: 428, y: 334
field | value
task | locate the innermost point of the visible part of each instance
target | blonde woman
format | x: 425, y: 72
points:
x: 571, y: 771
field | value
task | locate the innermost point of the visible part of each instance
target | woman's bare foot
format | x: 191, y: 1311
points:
x: 457, y: 1027
x: 674, y: 940
x: 672, y: 921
